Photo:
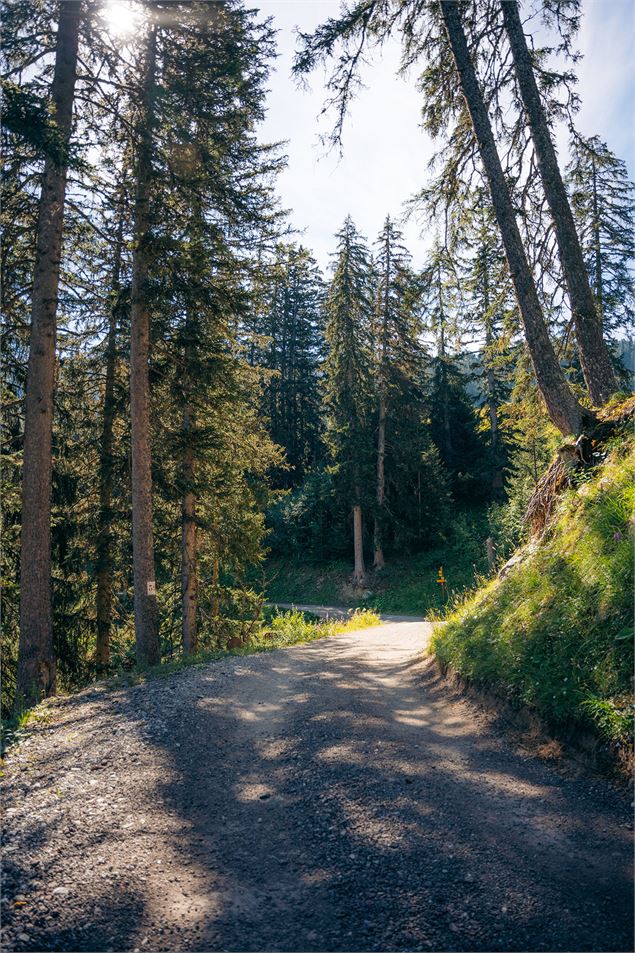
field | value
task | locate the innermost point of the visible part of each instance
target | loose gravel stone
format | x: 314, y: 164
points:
x: 333, y: 796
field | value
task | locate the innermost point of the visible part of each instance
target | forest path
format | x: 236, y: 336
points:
x: 329, y: 796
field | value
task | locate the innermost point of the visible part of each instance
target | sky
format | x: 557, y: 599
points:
x: 386, y: 153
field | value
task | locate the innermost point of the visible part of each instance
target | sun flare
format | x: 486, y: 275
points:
x: 122, y: 18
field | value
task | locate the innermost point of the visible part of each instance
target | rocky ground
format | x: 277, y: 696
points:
x: 332, y: 796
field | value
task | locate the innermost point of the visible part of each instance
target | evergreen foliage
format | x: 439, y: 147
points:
x: 603, y: 201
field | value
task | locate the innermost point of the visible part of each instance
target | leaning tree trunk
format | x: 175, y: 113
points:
x: 145, y: 599
x: 594, y: 354
x: 36, y: 657
x: 562, y: 406
x: 103, y: 599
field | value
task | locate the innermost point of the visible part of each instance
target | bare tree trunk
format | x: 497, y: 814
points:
x: 189, y: 554
x: 492, y: 406
x: 359, y: 574
x: 215, y: 589
x: 562, y: 406
x: 381, y: 484
x: 145, y: 599
x: 447, y: 429
x: 36, y: 657
x: 594, y: 354
x: 379, y: 561
x: 104, y: 533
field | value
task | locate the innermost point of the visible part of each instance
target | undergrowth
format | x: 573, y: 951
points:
x: 556, y: 632
x: 407, y: 585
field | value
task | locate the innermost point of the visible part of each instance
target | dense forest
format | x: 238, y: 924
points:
x: 189, y: 396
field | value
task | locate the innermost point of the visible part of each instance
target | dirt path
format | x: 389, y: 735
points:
x: 331, y: 796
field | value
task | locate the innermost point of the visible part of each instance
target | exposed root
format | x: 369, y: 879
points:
x: 572, y: 456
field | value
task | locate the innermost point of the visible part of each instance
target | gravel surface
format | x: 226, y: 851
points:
x: 331, y: 796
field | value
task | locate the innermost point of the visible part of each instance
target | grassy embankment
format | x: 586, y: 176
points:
x: 556, y: 633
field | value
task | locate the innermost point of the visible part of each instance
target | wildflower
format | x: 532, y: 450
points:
x: 617, y: 537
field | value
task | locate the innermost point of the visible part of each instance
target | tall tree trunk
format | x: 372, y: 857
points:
x: 189, y: 553
x: 594, y: 354
x: 490, y: 385
x: 597, y: 246
x: 492, y: 412
x: 36, y: 657
x: 443, y: 368
x: 104, y: 532
x: 145, y: 599
x: 379, y: 561
x: 359, y: 574
x: 562, y: 406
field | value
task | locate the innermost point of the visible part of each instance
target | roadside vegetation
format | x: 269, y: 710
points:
x: 277, y: 629
x: 555, y: 632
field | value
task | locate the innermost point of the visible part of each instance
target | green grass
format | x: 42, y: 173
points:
x: 278, y: 630
x: 407, y: 585
x: 556, y: 633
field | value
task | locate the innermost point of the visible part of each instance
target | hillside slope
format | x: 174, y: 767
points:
x: 555, y: 631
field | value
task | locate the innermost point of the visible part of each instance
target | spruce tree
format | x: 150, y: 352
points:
x: 348, y: 386
x: 398, y: 362
x: 458, y: 88
x: 36, y: 661
x: 603, y: 201
x: 145, y: 592
x: 453, y: 422
x: 289, y: 332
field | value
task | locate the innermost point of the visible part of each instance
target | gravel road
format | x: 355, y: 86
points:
x: 332, y: 796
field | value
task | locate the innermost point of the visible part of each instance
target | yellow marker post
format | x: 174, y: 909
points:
x: 441, y: 582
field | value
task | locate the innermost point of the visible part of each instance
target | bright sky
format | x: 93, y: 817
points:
x: 385, y: 151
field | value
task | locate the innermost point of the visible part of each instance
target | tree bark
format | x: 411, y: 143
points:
x: 562, y: 406
x: 359, y: 574
x: 189, y: 554
x: 104, y: 532
x: 145, y: 599
x: 379, y: 561
x: 36, y: 658
x: 594, y: 354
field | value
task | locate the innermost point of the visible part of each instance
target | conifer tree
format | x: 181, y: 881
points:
x: 493, y: 316
x: 603, y: 201
x: 220, y: 202
x: 290, y: 329
x: 457, y: 93
x: 36, y: 662
x: 349, y: 378
x: 145, y: 593
x: 398, y: 359
x: 453, y: 423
